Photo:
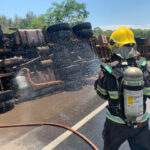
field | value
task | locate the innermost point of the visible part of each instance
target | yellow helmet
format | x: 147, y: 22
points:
x: 120, y: 37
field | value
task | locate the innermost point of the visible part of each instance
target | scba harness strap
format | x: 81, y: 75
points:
x: 141, y: 63
x: 114, y: 71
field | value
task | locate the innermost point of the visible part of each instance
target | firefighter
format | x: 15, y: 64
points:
x: 125, y: 83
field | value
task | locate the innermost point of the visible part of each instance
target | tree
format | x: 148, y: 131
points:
x: 38, y: 22
x: 97, y: 31
x: 138, y: 32
x: 9, y: 22
x: 67, y: 11
x: 108, y: 32
x: 3, y: 22
x: 18, y: 22
x: 28, y: 19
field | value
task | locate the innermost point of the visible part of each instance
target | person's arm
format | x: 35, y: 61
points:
x: 147, y: 81
x: 100, y: 85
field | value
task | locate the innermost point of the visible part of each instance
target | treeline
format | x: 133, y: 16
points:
x: 137, y: 32
x: 17, y: 22
x: 69, y: 11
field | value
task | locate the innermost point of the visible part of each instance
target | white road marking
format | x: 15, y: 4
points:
x: 66, y: 134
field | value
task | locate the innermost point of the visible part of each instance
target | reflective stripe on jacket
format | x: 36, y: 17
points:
x: 113, y: 94
x: 146, y: 91
x: 101, y: 90
x: 121, y: 121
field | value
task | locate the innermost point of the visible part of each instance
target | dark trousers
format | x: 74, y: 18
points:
x: 115, y: 134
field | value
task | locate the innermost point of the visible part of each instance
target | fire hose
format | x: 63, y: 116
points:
x: 53, y: 124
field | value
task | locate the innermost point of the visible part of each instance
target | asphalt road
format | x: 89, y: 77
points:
x: 68, y: 108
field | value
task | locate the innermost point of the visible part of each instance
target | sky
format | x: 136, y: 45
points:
x: 107, y: 14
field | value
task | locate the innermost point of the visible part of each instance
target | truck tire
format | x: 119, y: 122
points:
x: 60, y: 35
x: 81, y: 26
x: 140, y: 41
x: 87, y: 33
x: 58, y: 27
x: 7, y: 105
x: 6, y: 95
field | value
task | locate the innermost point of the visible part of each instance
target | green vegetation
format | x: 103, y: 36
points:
x: 69, y: 11
x: 137, y: 32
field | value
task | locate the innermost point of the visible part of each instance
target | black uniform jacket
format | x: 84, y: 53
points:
x: 108, y: 87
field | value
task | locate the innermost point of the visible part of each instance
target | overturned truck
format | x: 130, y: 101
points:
x: 39, y: 61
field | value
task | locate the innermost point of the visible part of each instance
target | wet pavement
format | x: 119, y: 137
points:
x: 66, y: 108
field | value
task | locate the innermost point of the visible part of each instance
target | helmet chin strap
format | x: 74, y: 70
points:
x: 126, y: 52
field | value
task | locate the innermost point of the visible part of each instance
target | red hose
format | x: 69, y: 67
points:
x: 39, y: 84
x: 53, y: 124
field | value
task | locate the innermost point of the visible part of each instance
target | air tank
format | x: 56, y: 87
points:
x: 133, y: 85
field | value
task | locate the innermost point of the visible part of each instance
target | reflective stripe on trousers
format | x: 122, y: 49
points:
x: 120, y: 121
